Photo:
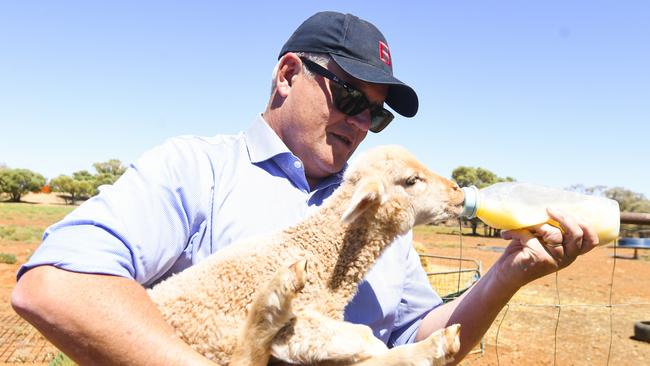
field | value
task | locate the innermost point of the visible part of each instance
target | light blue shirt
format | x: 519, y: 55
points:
x: 192, y: 196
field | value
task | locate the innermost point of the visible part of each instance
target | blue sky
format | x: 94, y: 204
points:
x: 550, y: 92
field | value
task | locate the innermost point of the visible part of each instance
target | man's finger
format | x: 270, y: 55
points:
x: 506, y: 234
x: 589, y: 238
x: 549, y: 234
x: 572, y: 233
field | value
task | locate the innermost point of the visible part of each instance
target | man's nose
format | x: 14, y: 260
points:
x: 360, y: 121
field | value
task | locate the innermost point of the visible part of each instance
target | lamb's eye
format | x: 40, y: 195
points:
x: 410, y: 181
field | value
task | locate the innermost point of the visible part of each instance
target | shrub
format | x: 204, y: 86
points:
x: 7, y: 258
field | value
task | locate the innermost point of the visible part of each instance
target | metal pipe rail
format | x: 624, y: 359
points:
x: 637, y: 218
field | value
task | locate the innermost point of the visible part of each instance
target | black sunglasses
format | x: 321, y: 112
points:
x: 350, y: 100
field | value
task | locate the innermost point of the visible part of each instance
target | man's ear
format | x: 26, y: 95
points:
x: 289, y: 67
x: 370, y: 191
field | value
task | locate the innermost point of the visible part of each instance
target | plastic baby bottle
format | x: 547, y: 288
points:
x: 514, y: 205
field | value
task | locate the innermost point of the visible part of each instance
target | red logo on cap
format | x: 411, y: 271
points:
x: 384, y: 53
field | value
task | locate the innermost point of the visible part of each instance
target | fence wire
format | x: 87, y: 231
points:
x: 558, y: 305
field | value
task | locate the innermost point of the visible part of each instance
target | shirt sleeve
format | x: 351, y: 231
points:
x: 138, y: 227
x: 418, y: 298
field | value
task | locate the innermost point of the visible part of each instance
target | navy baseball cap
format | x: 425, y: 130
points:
x: 359, y: 48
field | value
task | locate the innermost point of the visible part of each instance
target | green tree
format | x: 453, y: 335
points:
x: 83, y: 185
x: 83, y: 175
x: 3, y: 166
x: 77, y: 187
x: 628, y: 200
x: 17, y: 182
x: 112, y: 167
x: 108, y: 172
x: 467, y: 176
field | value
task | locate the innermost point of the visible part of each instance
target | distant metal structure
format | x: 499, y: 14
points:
x: 635, y: 218
x: 633, y: 243
x: 450, y: 277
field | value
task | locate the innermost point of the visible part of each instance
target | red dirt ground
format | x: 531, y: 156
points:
x: 527, y: 331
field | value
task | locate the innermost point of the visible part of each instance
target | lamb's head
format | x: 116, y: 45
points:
x: 388, y: 180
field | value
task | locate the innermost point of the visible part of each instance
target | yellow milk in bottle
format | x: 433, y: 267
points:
x: 514, y: 205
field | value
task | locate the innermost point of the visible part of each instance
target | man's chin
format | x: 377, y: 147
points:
x: 335, y: 162
x: 340, y: 161
x: 335, y: 167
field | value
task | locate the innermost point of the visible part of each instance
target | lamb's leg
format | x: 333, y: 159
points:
x: 314, y: 338
x: 436, y: 350
x: 269, y: 312
x: 318, y: 340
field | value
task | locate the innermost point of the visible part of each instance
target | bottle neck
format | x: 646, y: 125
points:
x: 470, y: 206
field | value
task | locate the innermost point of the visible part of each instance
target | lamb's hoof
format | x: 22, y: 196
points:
x: 452, y: 339
x: 443, y: 345
x: 285, y: 285
x: 299, y: 270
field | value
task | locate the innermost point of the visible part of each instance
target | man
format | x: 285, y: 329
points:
x: 83, y: 288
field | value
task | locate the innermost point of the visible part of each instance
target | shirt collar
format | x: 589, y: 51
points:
x: 262, y: 142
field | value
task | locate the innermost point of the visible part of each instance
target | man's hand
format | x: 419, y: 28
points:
x: 544, y: 249
x: 532, y: 253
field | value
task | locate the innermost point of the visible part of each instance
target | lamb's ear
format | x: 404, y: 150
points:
x: 369, y: 191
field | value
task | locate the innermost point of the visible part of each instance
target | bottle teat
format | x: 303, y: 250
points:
x: 470, y: 205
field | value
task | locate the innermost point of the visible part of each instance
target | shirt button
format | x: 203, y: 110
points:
x: 297, y: 164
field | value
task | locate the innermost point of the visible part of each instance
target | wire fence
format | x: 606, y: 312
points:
x: 451, y: 283
x: 559, y: 306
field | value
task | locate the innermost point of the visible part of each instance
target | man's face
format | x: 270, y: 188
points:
x: 323, y: 137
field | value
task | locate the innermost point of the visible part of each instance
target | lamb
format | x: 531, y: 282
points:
x: 309, y: 272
